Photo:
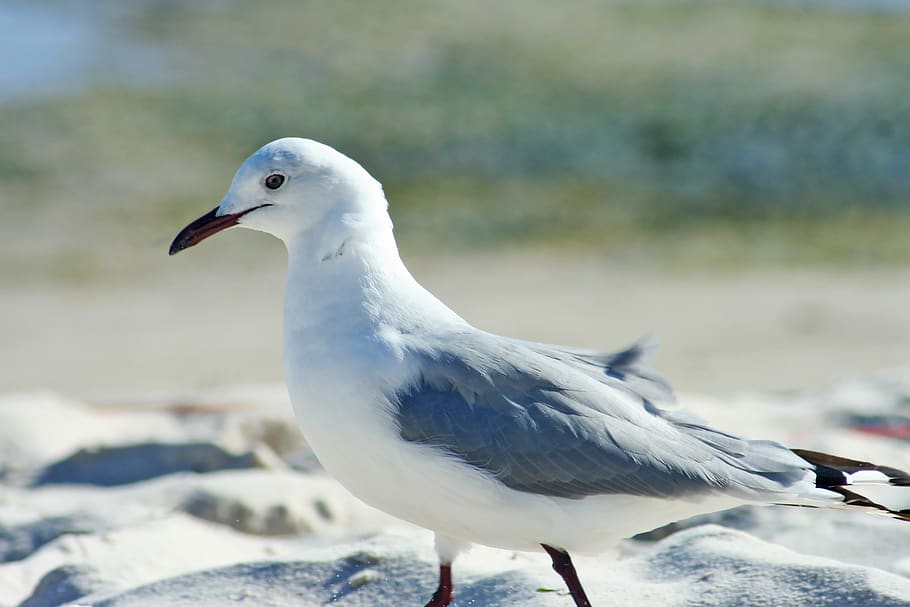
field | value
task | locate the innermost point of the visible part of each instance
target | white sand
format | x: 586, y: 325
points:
x: 279, y: 532
x: 211, y: 317
x: 210, y: 496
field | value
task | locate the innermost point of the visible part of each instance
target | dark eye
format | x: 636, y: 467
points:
x: 274, y: 181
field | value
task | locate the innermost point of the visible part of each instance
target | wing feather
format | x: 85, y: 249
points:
x: 525, y: 414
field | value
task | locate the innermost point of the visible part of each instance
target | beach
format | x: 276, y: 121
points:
x: 150, y: 455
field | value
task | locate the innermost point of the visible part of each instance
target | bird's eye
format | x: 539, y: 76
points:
x: 274, y: 181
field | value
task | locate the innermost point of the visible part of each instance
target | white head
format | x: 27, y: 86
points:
x: 297, y: 188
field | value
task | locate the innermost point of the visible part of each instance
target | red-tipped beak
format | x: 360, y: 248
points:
x: 205, y: 226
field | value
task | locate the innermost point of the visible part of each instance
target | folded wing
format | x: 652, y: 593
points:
x: 529, y: 416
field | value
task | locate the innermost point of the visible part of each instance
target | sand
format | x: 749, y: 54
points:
x: 212, y: 318
x: 148, y: 455
x: 213, y: 498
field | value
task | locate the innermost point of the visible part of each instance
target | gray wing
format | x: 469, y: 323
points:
x: 625, y: 370
x: 516, y: 413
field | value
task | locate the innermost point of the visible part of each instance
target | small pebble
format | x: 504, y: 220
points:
x: 362, y: 577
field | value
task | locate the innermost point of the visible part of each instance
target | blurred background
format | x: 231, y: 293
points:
x: 734, y: 176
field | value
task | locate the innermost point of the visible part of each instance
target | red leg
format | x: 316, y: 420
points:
x: 562, y: 565
x: 443, y: 595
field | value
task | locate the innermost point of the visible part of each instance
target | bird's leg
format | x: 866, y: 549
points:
x: 443, y: 595
x: 562, y: 565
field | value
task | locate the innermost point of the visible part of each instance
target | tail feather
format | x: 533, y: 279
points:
x: 846, y: 477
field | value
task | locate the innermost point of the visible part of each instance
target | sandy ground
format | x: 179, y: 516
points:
x: 198, y: 323
x: 159, y: 479
x: 216, y: 500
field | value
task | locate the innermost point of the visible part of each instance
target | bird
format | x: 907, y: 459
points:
x: 482, y: 438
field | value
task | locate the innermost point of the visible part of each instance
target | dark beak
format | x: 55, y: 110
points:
x: 205, y: 226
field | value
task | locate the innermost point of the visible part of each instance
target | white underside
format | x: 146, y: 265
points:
x: 359, y: 446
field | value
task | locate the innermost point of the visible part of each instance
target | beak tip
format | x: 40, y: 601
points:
x: 200, y: 229
x: 180, y: 242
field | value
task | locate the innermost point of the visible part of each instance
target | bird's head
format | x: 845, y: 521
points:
x: 295, y: 188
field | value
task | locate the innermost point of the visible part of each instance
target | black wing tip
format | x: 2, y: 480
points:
x: 849, y: 466
x: 832, y: 473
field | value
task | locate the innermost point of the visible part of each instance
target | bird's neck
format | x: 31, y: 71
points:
x: 354, y: 285
x: 349, y: 305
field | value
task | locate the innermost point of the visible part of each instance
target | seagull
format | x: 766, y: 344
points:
x: 482, y: 438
